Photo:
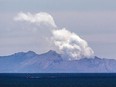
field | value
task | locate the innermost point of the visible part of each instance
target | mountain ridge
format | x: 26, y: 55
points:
x: 52, y: 62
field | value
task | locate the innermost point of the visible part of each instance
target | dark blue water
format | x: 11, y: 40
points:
x: 58, y: 80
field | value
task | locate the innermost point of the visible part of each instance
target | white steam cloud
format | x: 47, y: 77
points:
x: 69, y: 44
x: 39, y: 18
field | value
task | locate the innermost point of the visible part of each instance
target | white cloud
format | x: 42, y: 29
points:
x: 39, y: 18
x: 70, y: 45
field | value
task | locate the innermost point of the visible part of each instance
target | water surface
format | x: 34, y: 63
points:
x: 57, y: 80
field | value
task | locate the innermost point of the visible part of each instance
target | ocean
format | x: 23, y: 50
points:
x: 57, y: 80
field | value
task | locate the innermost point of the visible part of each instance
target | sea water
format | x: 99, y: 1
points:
x: 57, y: 80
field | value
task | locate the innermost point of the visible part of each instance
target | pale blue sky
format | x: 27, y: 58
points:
x: 60, y: 5
x: 93, y: 20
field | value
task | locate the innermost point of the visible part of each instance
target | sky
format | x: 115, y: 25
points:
x: 92, y: 20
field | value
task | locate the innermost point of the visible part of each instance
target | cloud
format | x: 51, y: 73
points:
x: 39, y: 18
x: 69, y: 44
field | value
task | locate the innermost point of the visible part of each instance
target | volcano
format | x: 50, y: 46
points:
x: 52, y: 62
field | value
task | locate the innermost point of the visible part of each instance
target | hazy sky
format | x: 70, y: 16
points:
x: 92, y: 20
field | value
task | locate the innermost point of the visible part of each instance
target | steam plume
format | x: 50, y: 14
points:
x: 38, y: 18
x: 70, y: 45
